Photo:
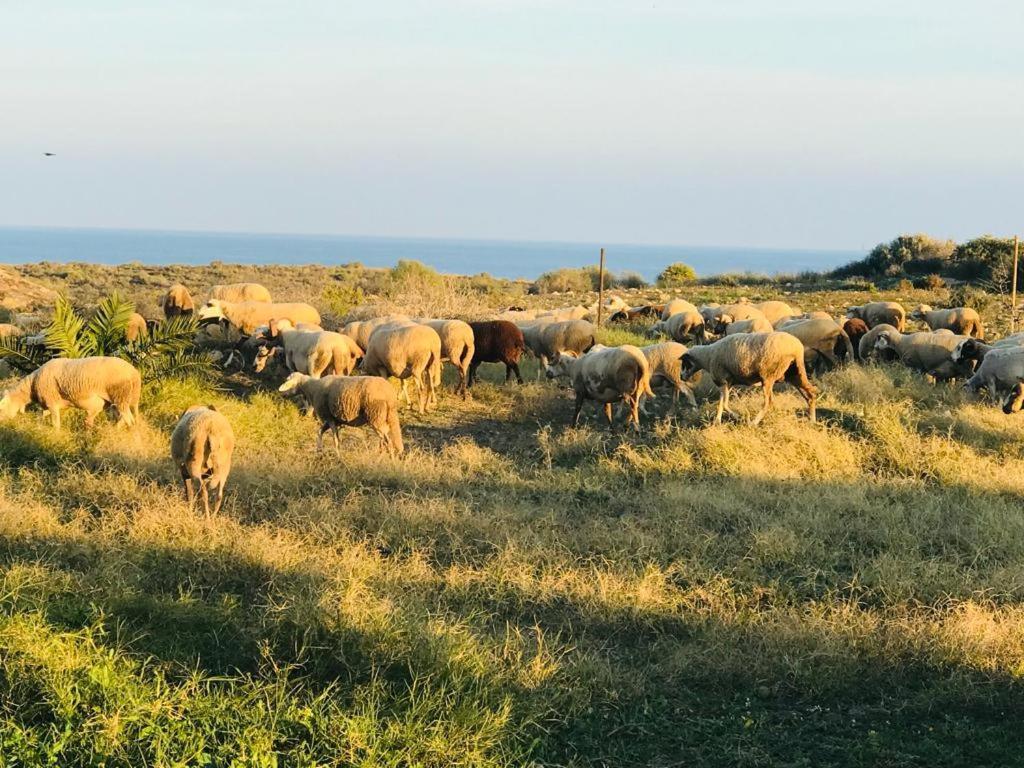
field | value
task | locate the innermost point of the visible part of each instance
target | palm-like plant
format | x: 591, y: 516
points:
x: 168, y: 349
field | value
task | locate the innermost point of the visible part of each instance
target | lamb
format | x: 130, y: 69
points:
x: 497, y: 341
x: 136, y: 328
x: 361, y: 330
x: 88, y: 383
x: 177, y: 301
x: 776, y: 311
x: 682, y: 327
x: 1000, y: 372
x: 753, y: 325
x: 457, y: 346
x: 631, y: 314
x: 351, y: 401
x: 676, y: 306
x: 309, y: 352
x: 855, y: 329
x: 247, y: 316
x: 929, y: 352
x: 664, y: 361
x: 407, y: 351
x: 201, y: 446
x: 545, y: 339
x: 877, y: 312
x: 960, y: 320
x: 752, y: 358
x: 607, y: 375
x: 823, y: 340
x: 240, y: 292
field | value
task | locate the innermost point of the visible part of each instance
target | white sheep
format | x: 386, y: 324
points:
x: 351, y: 401
x: 960, y: 320
x: 998, y: 372
x: 202, y: 444
x: 361, y: 330
x: 177, y: 301
x: 240, y: 292
x: 247, y: 316
x: 930, y: 352
x: 730, y: 327
x: 309, y: 352
x: 407, y: 352
x: 457, y: 346
x: 823, y: 339
x: 607, y: 375
x: 545, y: 339
x: 752, y: 358
x: 675, y: 306
x: 877, y: 312
x: 664, y: 361
x: 684, y: 326
x: 88, y: 383
x: 776, y: 311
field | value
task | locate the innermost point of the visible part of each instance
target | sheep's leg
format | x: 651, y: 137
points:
x: 337, y: 441
x: 472, y: 373
x: 515, y: 368
x: 55, y: 417
x: 190, y: 494
x: 768, y: 391
x: 218, y: 489
x: 634, y: 413
x: 405, y: 392
x: 324, y: 426
x: 723, y: 399
x: 204, y: 489
x: 579, y: 407
x: 608, y: 413
x: 543, y: 366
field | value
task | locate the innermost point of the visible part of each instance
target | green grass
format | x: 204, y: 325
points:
x: 515, y: 592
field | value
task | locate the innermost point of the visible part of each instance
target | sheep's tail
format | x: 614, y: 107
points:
x: 979, y: 329
x: 125, y: 395
x: 844, y: 339
x: 467, y: 357
x: 801, y: 374
x: 645, y: 382
x: 593, y: 341
x: 395, y: 430
x: 339, y: 360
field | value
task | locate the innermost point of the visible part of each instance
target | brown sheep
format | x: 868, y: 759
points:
x: 497, y: 341
x: 855, y: 328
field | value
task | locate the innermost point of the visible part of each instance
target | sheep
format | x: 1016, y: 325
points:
x: 565, y: 314
x: 973, y: 349
x: 544, y: 339
x: 456, y: 347
x: 247, y: 316
x: 497, y: 341
x: 927, y: 351
x: 664, y: 361
x: 177, y: 301
x: 753, y: 358
x: 866, y: 349
x: 753, y: 325
x: 136, y: 328
x: 350, y: 401
x: 877, y: 312
x: 823, y: 340
x: 7, y: 330
x: 814, y: 314
x: 855, y: 329
x: 776, y: 311
x: 999, y: 372
x: 960, y: 320
x: 607, y: 375
x: 201, y: 446
x: 730, y: 313
x: 676, y: 306
x: 361, y: 330
x: 309, y: 352
x: 710, y: 312
x: 682, y: 327
x: 407, y: 351
x: 88, y: 383
x: 240, y: 292
x: 630, y: 314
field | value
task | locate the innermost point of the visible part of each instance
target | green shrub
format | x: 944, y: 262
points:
x: 630, y: 280
x: 565, y: 280
x: 339, y: 299
x: 933, y: 282
x: 676, y: 275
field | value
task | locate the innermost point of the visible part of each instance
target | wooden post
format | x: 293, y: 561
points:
x: 600, y: 289
x: 1013, y: 290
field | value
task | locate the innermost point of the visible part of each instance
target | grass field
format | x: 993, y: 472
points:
x: 514, y: 592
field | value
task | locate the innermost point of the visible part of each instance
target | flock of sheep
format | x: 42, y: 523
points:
x: 740, y: 344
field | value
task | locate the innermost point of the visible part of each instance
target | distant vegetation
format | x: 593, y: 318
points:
x: 675, y: 275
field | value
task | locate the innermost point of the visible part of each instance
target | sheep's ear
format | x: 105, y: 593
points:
x: 212, y: 407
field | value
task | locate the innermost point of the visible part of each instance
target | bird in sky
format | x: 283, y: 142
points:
x: 49, y: 154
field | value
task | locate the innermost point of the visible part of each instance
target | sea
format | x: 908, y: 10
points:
x: 500, y: 258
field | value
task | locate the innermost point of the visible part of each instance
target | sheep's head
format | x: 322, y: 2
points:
x: 263, y: 356
x: 723, y: 321
x: 211, y: 310
x: 689, y: 367
x: 292, y: 382
x: 558, y: 366
x: 965, y: 350
x: 919, y: 311
x: 884, y: 341
x: 1014, y: 400
x: 12, y: 403
x: 855, y: 311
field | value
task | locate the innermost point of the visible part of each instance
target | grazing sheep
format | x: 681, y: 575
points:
x: 177, y: 301
x: 823, y: 340
x: 752, y: 358
x: 457, y: 346
x: 930, y: 352
x: 676, y: 306
x: 960, y: 320
x: 361, y: 330
x: 497, y: 341
x: 407, y: 352
x: 664, y: 361
x: 201, y: 445
x: 1014, y: 400
x: 776, y: 311
x: 565, y: 314
x: 866, y: 349
x: 999, y: 372
x: 247, y: 316
x: 545, y: 339
x: 753, y: 325
x: 237, y: 293
x: 710, y: 312
x: 814, y: 314
x: 136, y: 328
x: 351, y: 401
x: 682, y: 327
x: 731, y: 313
x: 89, y: 383
x: 607, y: 375
x: 310, y: 352
x: 855, y: 329
x: 974, y: 349
x: 631, y: 314
x: 878, y: 312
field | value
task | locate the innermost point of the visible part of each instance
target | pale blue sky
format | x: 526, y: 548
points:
x: 775, y: 123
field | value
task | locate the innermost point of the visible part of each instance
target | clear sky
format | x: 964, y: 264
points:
x: 803, y: 123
